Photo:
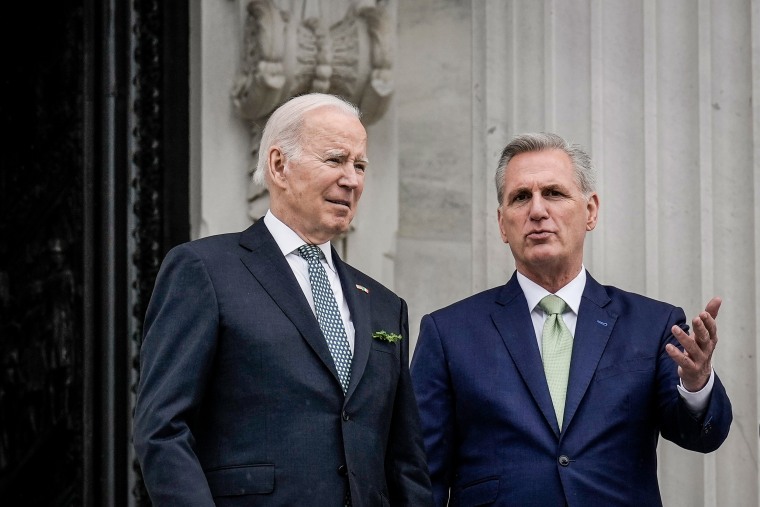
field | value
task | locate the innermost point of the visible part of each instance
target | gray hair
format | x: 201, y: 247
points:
x: 526, y: 143
x: 283, y: 128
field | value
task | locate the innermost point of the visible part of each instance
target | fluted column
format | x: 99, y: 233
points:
x: 662, y: 93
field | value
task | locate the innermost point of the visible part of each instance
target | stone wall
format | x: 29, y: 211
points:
x: 661, y: 94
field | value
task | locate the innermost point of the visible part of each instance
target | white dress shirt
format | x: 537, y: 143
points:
x: 289, y: 241
x: 572, y: 294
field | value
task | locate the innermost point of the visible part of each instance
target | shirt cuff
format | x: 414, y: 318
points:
x: 697, y: 402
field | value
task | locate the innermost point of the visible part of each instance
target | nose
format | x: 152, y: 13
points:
x: 350, y: 177
x: 538, y: 208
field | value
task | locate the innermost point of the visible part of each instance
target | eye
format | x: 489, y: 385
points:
x: 360, y: 167
x: 520, y: 197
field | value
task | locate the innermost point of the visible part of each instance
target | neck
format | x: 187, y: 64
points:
x: 293, y: 222
x: 552, y: 282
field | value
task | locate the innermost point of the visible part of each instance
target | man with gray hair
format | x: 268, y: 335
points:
x: 272, y: 373
x: 554, y: 389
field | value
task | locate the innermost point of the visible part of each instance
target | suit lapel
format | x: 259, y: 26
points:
x: 592, y: 332
x: 513, y: 322
x: 359, y: 305
x: 266, y: 263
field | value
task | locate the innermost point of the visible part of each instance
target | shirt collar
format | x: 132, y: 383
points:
x: 288, y: 241
x: 571, y: 293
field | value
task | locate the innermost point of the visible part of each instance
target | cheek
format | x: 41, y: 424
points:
x: 311, y: 193
x: 580, y: 228
x: 359, y: 187
x: 505, y: 229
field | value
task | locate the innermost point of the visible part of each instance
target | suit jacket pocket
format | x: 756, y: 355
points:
x: 388, y: 348
x: 639, y: 364
x: 241, y: 480
x: 482, y: 492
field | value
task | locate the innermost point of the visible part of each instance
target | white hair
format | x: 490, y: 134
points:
x: 284, y: 126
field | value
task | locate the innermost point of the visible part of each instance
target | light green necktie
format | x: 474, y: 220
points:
x: 557, y: 348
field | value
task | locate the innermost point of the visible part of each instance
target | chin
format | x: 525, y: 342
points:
x: 541, y: 252
x: 542, y: 259
x: 336, y: 229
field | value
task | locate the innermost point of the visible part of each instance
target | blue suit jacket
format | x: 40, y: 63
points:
x: 239, y: 401
x: 488, y: 421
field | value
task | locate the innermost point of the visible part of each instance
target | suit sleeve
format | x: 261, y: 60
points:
x: 433, y: 389
x: 406, y: 468
x: 701, y: 434
x: 175, y: 359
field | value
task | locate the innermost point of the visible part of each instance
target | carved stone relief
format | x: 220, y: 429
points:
x: 292, y: 47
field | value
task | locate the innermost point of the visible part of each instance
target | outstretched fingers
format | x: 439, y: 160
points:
x: 695, y: 362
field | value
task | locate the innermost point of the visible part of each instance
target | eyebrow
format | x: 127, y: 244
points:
x: 552, y: 186
x: 556, y: 186
x: 341, y: 153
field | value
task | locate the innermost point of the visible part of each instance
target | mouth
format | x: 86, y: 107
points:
x: 340, y: 202
x: 539, y: 235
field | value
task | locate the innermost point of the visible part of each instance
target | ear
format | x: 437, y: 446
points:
x: 592, y: 211
x: 502, y: 229
x: 276, y: 162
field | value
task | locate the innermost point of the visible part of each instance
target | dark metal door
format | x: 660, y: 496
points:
x: 93, y: 191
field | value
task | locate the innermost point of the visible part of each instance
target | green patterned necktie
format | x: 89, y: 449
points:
x: 557, y: 348
x: 328, y: 314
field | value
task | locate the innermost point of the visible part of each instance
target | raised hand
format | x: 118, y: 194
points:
x: 695, y: 362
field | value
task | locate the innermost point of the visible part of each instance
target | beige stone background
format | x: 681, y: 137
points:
x: 661, y: 92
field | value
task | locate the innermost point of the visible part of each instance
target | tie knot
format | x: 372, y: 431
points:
x: 309, y: 252
x: 552, y: 305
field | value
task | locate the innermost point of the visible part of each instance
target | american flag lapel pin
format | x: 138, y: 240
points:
x: 362, y: 288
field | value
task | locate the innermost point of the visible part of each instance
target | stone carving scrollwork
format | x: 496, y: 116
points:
x: 291, y: 47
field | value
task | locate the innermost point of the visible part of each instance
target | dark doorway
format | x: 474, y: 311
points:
x: 93, y: 191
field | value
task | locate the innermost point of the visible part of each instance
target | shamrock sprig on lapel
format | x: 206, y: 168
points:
x: 387, y: 337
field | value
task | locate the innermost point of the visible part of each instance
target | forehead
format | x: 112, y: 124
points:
x: 545, y: 167
x: 329, y: 127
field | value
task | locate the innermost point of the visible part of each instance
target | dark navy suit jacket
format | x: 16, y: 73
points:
x: 239, y: 402
x: 488, y: 421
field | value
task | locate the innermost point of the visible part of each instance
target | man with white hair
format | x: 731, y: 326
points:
x: 272, y: 373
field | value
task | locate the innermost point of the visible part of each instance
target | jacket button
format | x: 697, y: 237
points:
x: 343, y: 470
x: 707, y: 429
x: 564, y: 460
x: 344, y: 415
